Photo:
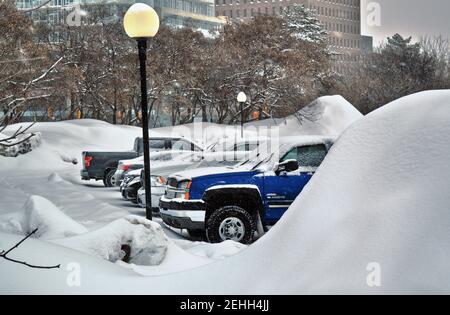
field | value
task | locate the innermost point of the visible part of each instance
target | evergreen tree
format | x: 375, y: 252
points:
x: 304, y: 24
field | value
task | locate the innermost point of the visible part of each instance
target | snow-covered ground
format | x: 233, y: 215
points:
x: 373, y: 220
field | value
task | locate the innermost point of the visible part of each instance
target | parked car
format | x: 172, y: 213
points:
x: 193, y: 160
x: 158, y: 189
x: 180, y: 163
x: 230, y: 203
x: 103, y: 165
x: 156, y: 159
x: 217, y: 154
x: 132, y: 183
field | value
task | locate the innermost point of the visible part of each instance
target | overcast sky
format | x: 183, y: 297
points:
x: 408, y: 18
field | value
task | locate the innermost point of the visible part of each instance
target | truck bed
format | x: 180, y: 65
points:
x: 100, y: 162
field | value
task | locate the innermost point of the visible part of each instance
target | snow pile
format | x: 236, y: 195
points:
x: 39, y: 213
x: 379, y: 203
x: 328, y: 115
x: 212, y: 251
x: 22, y: 144
x: 146, y: 239
x: 55, y: 178
x: 16, y: 278
x: 63, y: 142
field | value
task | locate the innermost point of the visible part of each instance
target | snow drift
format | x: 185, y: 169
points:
x: 42, y: 214
x: 328, y: 115
x: 381, y: 196
x: 63, y: 142
x: 51, y: 223
x: 146, y: 239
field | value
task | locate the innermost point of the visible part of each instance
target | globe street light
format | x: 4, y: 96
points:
x: 142, y: 22
x: 242, y: 98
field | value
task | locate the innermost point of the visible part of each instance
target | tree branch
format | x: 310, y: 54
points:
x: 4, y: 254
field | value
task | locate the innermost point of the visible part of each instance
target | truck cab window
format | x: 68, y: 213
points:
x: 307, y: 156
x: 311, y: 155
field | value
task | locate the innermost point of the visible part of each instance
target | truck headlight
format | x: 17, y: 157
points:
x: 158, y: 181
x: 186, y: 186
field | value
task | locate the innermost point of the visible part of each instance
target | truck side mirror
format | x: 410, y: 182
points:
x: 286, y: 167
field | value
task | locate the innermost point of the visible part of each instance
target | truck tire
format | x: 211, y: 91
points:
x: 107, y: 181
x: 230, y: 223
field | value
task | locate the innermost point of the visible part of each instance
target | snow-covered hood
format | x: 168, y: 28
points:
x: 135, y: 172
x: 204, y: 171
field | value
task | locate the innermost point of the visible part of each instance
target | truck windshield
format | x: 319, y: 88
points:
x: 255, y: 162
x: 262, y: 162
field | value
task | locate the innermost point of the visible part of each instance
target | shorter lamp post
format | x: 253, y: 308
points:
x: 242, y: 98
x: 142, y: 22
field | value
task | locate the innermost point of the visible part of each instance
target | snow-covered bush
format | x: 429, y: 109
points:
x: 146, y: 239
x: 22, y: 144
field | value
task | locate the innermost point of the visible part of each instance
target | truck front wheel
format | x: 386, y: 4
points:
x: 230, y: 223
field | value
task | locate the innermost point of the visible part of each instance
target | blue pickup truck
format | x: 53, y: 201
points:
x: 235, y: 203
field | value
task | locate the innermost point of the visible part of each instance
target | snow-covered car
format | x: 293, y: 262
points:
x: 102, y: 165
x: 158, y: 190
x: 180, y: 163
x: 156, y: 158
x: 230, y: 203
x: 219, y: 153
x: 132, y: 183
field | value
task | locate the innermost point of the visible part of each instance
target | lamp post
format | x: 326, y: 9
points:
x: 142, y: 22
x: 242, y: 98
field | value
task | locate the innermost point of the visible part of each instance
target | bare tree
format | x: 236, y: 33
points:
x: 439, y: 48
x: 396, y: 69
x: 26, y: 70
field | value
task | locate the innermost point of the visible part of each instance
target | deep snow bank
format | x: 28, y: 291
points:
x: 381, y: 197
x: 40, y: 213
x: 328, y: 115
x: 51, y: 223
x: 147, y: 241
x: 63, y: 142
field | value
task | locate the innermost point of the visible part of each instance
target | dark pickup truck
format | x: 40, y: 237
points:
x: 102, y: 165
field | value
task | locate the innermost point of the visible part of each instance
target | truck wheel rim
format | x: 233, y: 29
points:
x: 232, y: 229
